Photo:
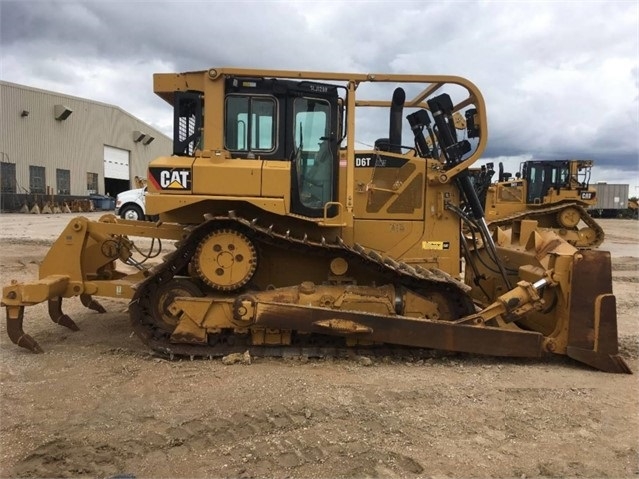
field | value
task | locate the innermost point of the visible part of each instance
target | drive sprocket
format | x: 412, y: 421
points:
x: 225, y: 260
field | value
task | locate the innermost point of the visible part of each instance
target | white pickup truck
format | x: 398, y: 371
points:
x: 129, y: 205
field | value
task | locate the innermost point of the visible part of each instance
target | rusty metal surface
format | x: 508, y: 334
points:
x: 88, y: 302
x: 591, y: 276
x: 58, y: 317
x: 405, y: 331
x: 592, y: 337
x: 15, y: 316
x: 604, y: 355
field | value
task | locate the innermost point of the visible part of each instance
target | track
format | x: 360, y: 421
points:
x: 553, y: 210
x: 175, y: 264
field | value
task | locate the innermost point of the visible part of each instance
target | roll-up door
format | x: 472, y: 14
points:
x: 116, y: 163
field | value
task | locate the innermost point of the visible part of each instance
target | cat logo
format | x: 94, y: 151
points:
x: 171, y: 179
x: 587, y: 195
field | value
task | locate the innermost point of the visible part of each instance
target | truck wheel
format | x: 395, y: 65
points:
x: 132, y: 212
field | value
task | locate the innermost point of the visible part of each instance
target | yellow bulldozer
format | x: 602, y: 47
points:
x: 289, y: 240
x: 555, y: 193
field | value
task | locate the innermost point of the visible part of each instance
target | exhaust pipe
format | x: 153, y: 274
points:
x: 396, y: 118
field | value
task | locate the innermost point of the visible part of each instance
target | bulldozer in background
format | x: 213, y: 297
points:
x: 555, y: 193
x: 633, y: 208
x: 289, y: 240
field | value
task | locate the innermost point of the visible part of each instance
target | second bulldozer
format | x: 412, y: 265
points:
x: 555, y: 193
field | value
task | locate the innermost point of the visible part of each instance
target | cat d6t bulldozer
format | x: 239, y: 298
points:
x: 290, y: 240
x: 555, y: 193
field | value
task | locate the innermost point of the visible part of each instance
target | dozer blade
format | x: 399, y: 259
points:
x: 592, y: 334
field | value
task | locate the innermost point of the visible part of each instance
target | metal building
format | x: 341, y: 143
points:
x: 55, y: 145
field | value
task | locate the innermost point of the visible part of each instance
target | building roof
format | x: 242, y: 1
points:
x: 86, y: 100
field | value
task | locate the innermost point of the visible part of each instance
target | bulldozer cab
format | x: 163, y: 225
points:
x: 552, y: 181
x: 272, y: 119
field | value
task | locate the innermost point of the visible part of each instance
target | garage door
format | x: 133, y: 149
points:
x: 116, y: 163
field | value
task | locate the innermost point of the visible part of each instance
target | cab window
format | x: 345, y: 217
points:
x: 250, y: 124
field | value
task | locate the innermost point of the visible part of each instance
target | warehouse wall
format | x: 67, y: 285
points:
x: 75, y: 144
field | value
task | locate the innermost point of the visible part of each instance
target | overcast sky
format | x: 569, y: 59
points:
x: 560, y: 79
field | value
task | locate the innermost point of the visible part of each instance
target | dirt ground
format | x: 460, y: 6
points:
x: 98, y: 404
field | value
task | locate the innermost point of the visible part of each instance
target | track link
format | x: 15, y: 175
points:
x: 176, y: 263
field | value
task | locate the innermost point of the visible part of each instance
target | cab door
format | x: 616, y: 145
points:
x: 314, y: 169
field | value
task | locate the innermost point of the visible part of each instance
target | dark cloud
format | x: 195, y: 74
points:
x: 559, y: 78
